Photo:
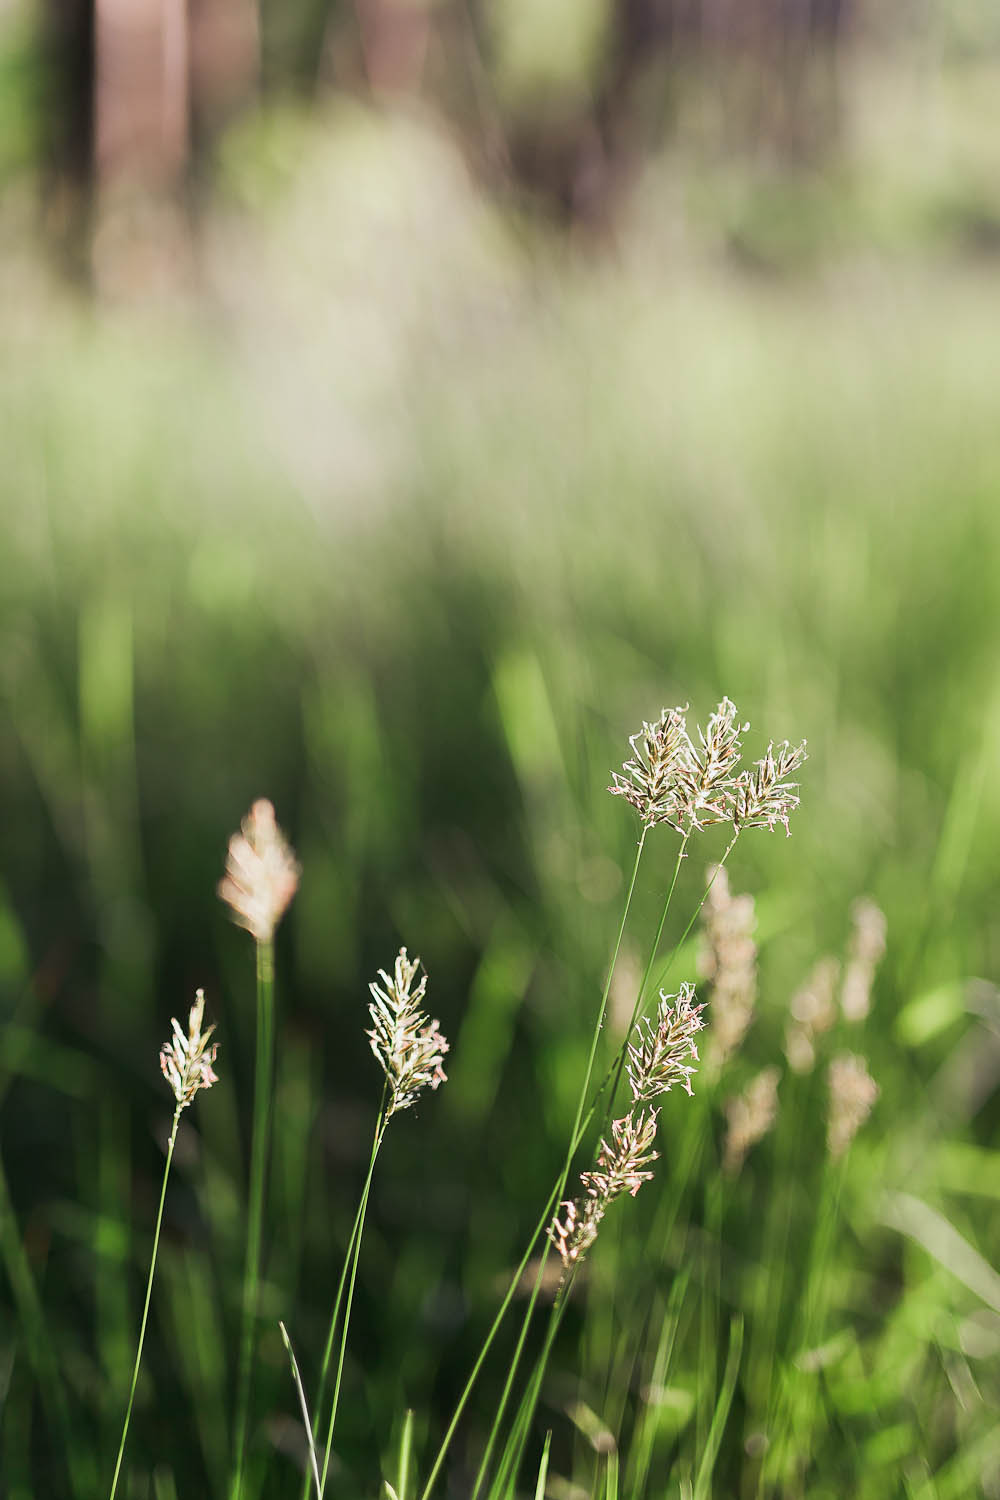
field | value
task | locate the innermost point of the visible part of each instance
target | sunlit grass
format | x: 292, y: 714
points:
x: 550, y: 498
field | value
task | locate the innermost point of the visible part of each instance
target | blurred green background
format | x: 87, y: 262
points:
x: 398, y: 403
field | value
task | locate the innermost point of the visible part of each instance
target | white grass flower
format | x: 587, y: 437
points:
x: 750, y: 1116
x: 651, y: 779
x: 658, y: 1055
x: 812, y: 1012
x: 853, y: 1093
x: 706, y: 777
x: 187, y: 1061
x: 262, y: 873
x: 621, y: 1167
x: 410, y: 1048
x: 764, y: 796
x: 866, y: 949
x: 728, y: 958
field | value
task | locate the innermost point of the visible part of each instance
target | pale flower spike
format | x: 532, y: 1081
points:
x: 650, y: 782
x: 749, y: 1117
x: 764, y: 796
x: 671, y: 780
x: 853, y: 1093
x: 706, y: 775
x: 620, y: 1168
x: 409, y: 1047
x: 262, y: 873
x: 187, y: 1061
x: 658, y: 1055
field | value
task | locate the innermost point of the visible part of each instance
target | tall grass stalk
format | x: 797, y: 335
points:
x: 259, y: 1154
x: 262, y: 876
x: 186, y: 1062
x: 614, y: 1074
x: 348, y: 1268
x: 350, y: 1261
x: 149, y: 1292
x: 306, y: 1421
x: 554, y: 1198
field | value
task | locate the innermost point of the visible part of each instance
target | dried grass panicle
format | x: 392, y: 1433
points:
x: 672, y: 780
x: 853, y: 1093
x: 651, y: 779
x: 727, y: 957
x: 764, y: 795
x: 262, y: 873
x: 621, y: 1167
x: 750, y: 1116
x: 867, y: 946
x: 187, y: 1061
x: 813, y: 1011
x: 409, y: 1047
x: 658, y: 1057
x: 706, y: 776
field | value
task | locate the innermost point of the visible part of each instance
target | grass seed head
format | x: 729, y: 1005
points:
x: 187, y: 1061
x: 867, y: 946
x: 813, y: 1010
x: 262, y: 873
x: 651, y: 779
x: 409, y: 1047
x: 853, y: 1093
x: 707, y: 775
x: 764, y: 796
x: 728, y: 958
x: 658, y: 1055
x: 621, y: 1167
x: 750, y: 1116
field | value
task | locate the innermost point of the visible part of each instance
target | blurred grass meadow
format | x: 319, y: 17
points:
x: 402, y: 500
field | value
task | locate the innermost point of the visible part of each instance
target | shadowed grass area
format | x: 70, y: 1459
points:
x: 416, y: 577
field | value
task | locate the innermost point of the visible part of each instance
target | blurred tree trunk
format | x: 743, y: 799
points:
x: 158, y: 64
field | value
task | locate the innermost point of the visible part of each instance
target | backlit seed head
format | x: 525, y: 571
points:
x: 853, y: 1093
x: 651, y: 778
x: 750, y: 1116
x: 187, y: 1061
x: 764, y: 796
x: 262, y: 874
x: 409, y: 1047
x: 659, y: 1052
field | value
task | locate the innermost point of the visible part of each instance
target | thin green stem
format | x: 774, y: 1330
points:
x: 149, y: 1293
x: 619, y: 1063
x: 335, y: 1314
x: 615, y: 1072
x: 514, y: 1451
x: 307, y: 1424
x: 352, y: 1257
x: 564, y: 1174
x: 259, y: 1153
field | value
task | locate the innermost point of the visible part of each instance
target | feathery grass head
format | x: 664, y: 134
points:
x: 764, y: 796
x: 262, y: 873
x: 727, y: 956
x: 672, y: 780
x: 749, y: 1117
x: 187, y: 1061
x: 409, y: 1047
x: 706, y: 775
x: 812, y: 1012
x: 853, y: 1093
x: 657, y: 1057
x: 866, y: 949
x: 651, y: 779
x: 621, y: 1167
